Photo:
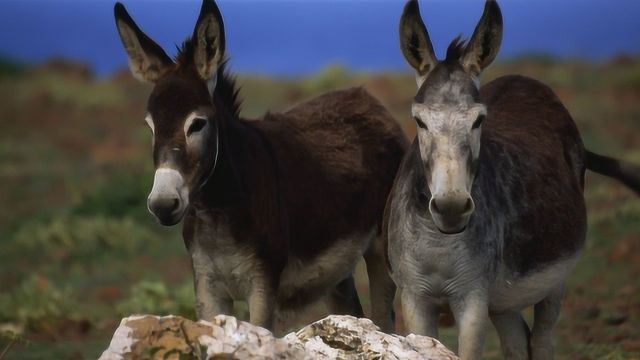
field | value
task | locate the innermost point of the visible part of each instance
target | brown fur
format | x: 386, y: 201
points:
x: 267, y: 193
x: 296, y: 182
x: 532, y: 150
x: 292, y: 183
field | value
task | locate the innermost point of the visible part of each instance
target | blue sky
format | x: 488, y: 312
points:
x: 299, y: 37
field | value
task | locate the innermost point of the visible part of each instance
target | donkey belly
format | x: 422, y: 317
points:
x: 511, y: 291
x: 305, y: 281
x: 543, y: 233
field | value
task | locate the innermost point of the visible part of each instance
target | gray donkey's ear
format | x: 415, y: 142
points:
x: 485, y: 41
x: 147, y: 60
x: 209, y: 41
x: 415, y: 42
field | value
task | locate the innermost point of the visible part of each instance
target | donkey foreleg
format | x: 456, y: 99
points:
x: 419, y: 315
x: 209, y: 303
x: 472, y: 316
x: 262, y: 304
x: 211, y: 299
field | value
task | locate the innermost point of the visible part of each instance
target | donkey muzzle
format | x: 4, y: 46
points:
x: 168, y: 199
x: 451, y: 212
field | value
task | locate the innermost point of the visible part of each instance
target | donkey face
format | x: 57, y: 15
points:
x: 180, y: 110
x: 448, y: 112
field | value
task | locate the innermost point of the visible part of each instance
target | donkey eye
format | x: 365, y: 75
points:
x: 197, y: 125
x: 420, y: 123
x: 478, y: 122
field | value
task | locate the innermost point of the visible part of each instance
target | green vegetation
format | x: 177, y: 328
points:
x: 36, y: 303
x: 154, y: 297
x: 78, y: 249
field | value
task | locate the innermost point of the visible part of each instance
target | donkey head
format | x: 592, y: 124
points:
x: 180, y: 110
x: 448, y: 112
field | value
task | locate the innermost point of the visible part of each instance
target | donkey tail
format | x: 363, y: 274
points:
x: 626, y: 173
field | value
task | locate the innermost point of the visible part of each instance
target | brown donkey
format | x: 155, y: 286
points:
x: 276, y: 211
x: 487, y: 213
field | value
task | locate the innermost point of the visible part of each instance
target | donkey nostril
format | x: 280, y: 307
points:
x: 434, y: 206
x: 176, y: 204
x: 451, y: 207
x: 164, y: 207
x: 468, y: 207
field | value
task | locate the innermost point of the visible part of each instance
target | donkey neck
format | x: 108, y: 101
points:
x: 244, y: 155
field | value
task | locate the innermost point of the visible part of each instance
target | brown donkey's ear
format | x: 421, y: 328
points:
x: 147, y: 60
x: 414, y: 41
x: 208, y: 38
x: 485, y: 41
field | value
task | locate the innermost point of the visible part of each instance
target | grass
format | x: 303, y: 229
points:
x: 78, y: 249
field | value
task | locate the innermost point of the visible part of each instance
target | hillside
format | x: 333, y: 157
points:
x: 78, y: 249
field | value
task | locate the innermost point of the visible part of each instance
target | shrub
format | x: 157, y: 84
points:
x: 83, y: 236
x: 154, y: 297
x: 37, y: 304
x: 121, y: 195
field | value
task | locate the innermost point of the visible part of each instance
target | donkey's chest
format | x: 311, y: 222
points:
x: 229, y: 266
x: 439, y: 273
x: 433, y: 265
x: 237, y: 270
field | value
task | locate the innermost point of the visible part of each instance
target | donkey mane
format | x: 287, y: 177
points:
x: 455, y: 50
x: 226, y: 87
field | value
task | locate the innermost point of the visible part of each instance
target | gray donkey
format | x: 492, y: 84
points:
x: 487, y: 214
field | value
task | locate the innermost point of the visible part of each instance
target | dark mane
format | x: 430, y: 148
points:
x: 226, y: 87
x: 184, y: 58
x: 455, y: 50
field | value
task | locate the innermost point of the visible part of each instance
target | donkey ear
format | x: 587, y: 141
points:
x: 415, y: 42
x: 147, y: 60
x: 208, y: 37
x: 485, y: 41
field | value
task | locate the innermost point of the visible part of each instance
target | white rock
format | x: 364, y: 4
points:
x: 335, y: 337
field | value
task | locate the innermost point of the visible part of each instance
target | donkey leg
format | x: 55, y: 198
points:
x: 419, y: 315
x: 472, y: 316
x: 210, y: 301
x: 344, y: 299
x: 262, y: 304
x: 211, y: 298
x: 514, y: 334
x: 381, y: 287
x: 545, y: 316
